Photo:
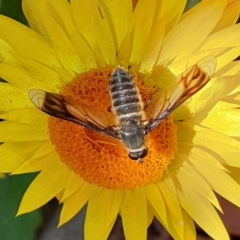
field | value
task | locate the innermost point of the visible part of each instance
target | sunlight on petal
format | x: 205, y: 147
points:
x: 172, y: 203
x: 199, y: 184
x: 233, y: 34
x: 176, y: 44
x: 226, y: 57
x: 192, y: 202
x: 157, y: 203
x: 229, y: 17
x: 225, y: 148
x: 228, y: 118
x: 219, y: 180
x: 174, y: 12
x: 151, y: 49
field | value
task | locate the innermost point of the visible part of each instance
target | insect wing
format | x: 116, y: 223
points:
x: 68, y: 109
x: 183, y: 87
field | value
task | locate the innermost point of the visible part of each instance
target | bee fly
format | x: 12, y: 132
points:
x: 129, y: 121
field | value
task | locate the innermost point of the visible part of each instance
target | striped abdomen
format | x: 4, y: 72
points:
x: 125, y: 98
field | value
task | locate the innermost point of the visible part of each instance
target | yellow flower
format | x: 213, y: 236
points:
x: 72, y: 48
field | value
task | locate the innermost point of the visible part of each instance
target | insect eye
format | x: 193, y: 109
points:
x: 143, y: 153
x: 138, y: 155
x: 133, y: 156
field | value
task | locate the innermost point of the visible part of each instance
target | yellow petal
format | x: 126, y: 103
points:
x: 21, y: 78
x: 195, y: 204
x: 228, y: 122
x: 7, y: 53
x: 229, y: 17
x: 74, y: 203
x: 12, y: 98
x: 37, y: 164
x: 119, y: 14
x: 226, y: 57
x: 152, y: 47
x: 219, y: 180
x: 44, y: 187
x: 173, y: 206
x: 59, y: 196
x: 212, y: 98
x: 199, y: 184
x: 208, y: 98
x: 82, y: 11
x: 138, y: 31
x: 103, y: 37
x: 14, y: 154
x: 64, y: 48
x: 173, y: 9
x: 30, y: 116
x: 186, y: 223
x: 93, y: 26
x: 74, y: 182
x: 225, y: 148
x: 189, y: 227
x: 35, y: 47
x: 62, y: 10
x: 42, y: 76
x: 100, y: 215
x: 19, y: 132
x: 157, y: 204
x: 46, y: 148
x: 206, y: 158
x: 230, y: 69
x: 134, y: 215
x: 234, y: 173
x: 44, y: 157
x: 179, y: 43
x: 150, y: 216
x: 31, y: 12
x: 231, y: 41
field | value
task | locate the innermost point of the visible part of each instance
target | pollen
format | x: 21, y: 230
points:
x: 103, y: 160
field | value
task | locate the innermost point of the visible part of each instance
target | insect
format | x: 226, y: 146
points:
x: 129, y: 121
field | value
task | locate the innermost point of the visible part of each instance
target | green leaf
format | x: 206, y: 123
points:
x: 22, y: 227
x: 13, y: 9
x: 190, y: 4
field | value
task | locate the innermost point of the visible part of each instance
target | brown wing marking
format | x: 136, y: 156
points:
x: 68, y: 109
x: 183, y: 87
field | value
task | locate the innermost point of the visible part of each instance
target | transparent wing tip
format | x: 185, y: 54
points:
x: 208, y: 65
x: 37, y: 96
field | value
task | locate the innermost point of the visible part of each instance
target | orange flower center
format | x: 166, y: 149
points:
x: 100, y: 159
